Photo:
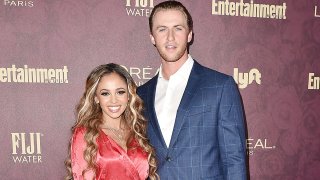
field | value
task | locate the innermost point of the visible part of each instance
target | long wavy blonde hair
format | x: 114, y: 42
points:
x: 89, y: 115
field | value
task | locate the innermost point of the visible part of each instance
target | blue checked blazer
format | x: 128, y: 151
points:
x: 208, y: 139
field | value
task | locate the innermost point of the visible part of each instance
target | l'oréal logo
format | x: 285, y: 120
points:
x: 255, y: 144
x: 316, y: 12
x: 142, y: 74
x: 11, y: 3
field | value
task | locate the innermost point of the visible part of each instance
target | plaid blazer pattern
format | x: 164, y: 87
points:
x: 208, y: 139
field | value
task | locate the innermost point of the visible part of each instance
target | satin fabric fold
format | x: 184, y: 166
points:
x: 114, y: 163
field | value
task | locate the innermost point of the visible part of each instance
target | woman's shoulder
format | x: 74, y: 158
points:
x: 80, y: 129
x: 79, y: 132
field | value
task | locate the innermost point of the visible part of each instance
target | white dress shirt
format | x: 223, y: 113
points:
x: 168, y: 97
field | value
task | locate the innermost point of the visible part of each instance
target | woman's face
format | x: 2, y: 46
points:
x: 112, y: 95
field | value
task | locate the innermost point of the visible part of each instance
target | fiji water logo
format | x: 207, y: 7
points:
x: 26, y: 147
x: 139, y: 7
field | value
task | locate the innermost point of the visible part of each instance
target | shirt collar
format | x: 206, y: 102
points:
x: 183, y: 72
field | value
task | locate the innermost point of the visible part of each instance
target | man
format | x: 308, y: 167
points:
x: 195, y: 114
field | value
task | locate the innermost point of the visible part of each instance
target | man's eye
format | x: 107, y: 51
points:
x: 178, y: 28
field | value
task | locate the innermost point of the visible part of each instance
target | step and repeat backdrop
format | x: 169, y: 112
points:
x: 270, y: 47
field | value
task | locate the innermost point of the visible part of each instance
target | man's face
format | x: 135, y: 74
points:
x: 171, y: 35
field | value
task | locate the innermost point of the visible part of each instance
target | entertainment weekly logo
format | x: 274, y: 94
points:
x: 316, y: 12
x: 26, y: 148
x: 249, y: 9
x: 313, y: 82
x: 10, y: 3
x: 26, y: 74
x: 139, y: 7
x: 245, y: 79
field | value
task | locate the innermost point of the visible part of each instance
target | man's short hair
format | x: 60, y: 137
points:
x: 167, y: 5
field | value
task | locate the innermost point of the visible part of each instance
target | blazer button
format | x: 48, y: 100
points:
x: 168, y: 158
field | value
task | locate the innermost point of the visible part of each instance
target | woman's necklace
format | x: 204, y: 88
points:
x: 118, y: 133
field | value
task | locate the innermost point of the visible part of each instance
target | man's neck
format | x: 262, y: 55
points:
x: 169, y: 68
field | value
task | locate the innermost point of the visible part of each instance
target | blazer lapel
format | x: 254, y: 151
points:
x: 153, y: 121
x: 190, y: 91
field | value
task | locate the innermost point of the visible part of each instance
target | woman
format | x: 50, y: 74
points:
x: 109, y: 137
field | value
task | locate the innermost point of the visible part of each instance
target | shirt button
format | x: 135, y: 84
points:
x: 168, y: 159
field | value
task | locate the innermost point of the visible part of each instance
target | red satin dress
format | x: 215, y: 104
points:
x: 113, y: 162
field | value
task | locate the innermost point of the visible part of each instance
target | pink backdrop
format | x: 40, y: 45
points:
x: 272, y: 59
